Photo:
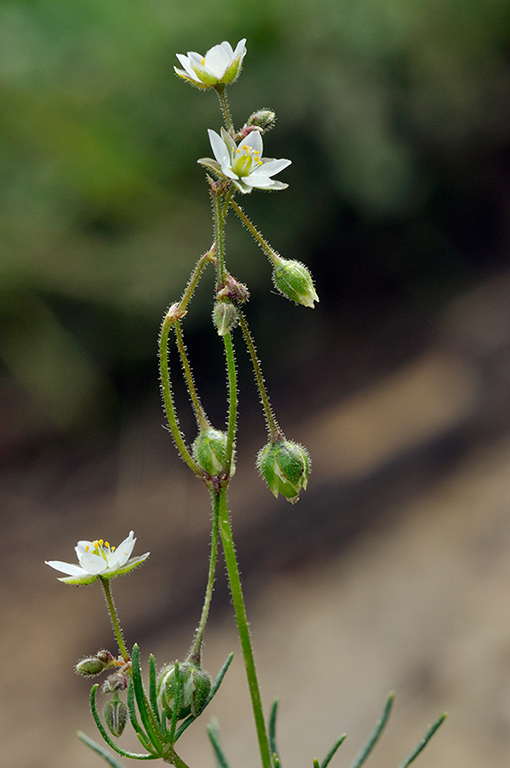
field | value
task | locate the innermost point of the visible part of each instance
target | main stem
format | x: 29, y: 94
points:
x: 236, y: 592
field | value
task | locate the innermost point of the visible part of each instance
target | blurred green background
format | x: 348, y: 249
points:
x: 394, y: 113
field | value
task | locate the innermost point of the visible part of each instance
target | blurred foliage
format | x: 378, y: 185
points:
x: 395, y: 114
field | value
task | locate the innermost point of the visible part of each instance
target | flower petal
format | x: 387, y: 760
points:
x: 121, y: 555
x: 270, y: 167
x: 218, y: 147
x: 69, y: 568
x: 217, y: 59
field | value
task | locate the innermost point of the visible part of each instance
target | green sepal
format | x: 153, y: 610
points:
x: 80, y: 581
x: 211, y: 164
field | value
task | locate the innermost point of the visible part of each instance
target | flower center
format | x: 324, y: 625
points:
x: 101, y: 548
x: 245, y: 159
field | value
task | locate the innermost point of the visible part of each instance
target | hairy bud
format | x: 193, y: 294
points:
x: 94, y: 665
x: 225, y: 317
x: 185, y: 687
x: 115, y: 715
x: 295, y: 282
x: 263, y: 119
x: 285, y: 467
x: 209, y: 451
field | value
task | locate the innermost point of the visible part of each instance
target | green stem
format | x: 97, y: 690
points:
x: 105, y: 583
x: 232, y: 403
x: 222, y: 96
x: 196, y: 649
x: 168, y: 400
x: 273, y: 255
x: 201, y: 417
x: 175, y: 312
x: 275, y: 433
x: 242, y: 626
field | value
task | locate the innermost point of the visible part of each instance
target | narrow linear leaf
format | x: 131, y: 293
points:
x: 149, y: 721
x: 376, y: 733
x: 152, y: 688
x: 332, y: 751
x: 272, y: 731
x: 104, y: 734
x: 424, y: 741
x: 214, y: 736
x: 142, y: 736
x: 98, y: 749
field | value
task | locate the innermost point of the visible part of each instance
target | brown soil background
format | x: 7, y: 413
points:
x: 392, y: 572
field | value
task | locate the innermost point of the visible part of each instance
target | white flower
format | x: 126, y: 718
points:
x: 243, y: 163
x: 98, y: 559
x: 220, y: 66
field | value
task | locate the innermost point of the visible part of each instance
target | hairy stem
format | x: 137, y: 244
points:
x: 242, y: 626
x: 105, y: 583
x: 274, y: 430
x: 196, y: 649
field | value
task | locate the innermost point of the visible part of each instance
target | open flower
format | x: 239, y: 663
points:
x: 220, y: 66
x: 98, y: 559
x: 243, y: 163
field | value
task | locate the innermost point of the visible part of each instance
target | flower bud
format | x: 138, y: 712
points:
x: 209, y: 451
x: 263, y: 119
x: 115, y: 682
x: 190, y: 688
x: 295, y: 282
x: 234, y: 290
x: 115, y: 715
x: 93, y: 665
x: 225, y: 317
x: 285, y: 467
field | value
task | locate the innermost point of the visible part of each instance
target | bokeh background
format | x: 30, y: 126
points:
x: 394, y: 569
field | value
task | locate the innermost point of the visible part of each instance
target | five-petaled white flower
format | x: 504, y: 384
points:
x: 98, y: 559
x: 220, y: 66
x: 243, y: 163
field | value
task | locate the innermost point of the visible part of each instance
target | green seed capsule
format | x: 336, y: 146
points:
x: 295, y: 282
x: 285, y: 467
x: 115, y: 715
x: 209, y: 451
x: 185, y: 686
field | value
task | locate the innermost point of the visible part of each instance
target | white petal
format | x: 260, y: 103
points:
x: 218, y: 147
x: 123, y: 552
x: 257, y: 180
x: 93, y: 564
x: 69, y: 568
x: 253, y: 140
x: 227, y: 48
x: 217, y: 60
x: 270, y: 167
x: 240, y: 49
x: 186, y: 65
